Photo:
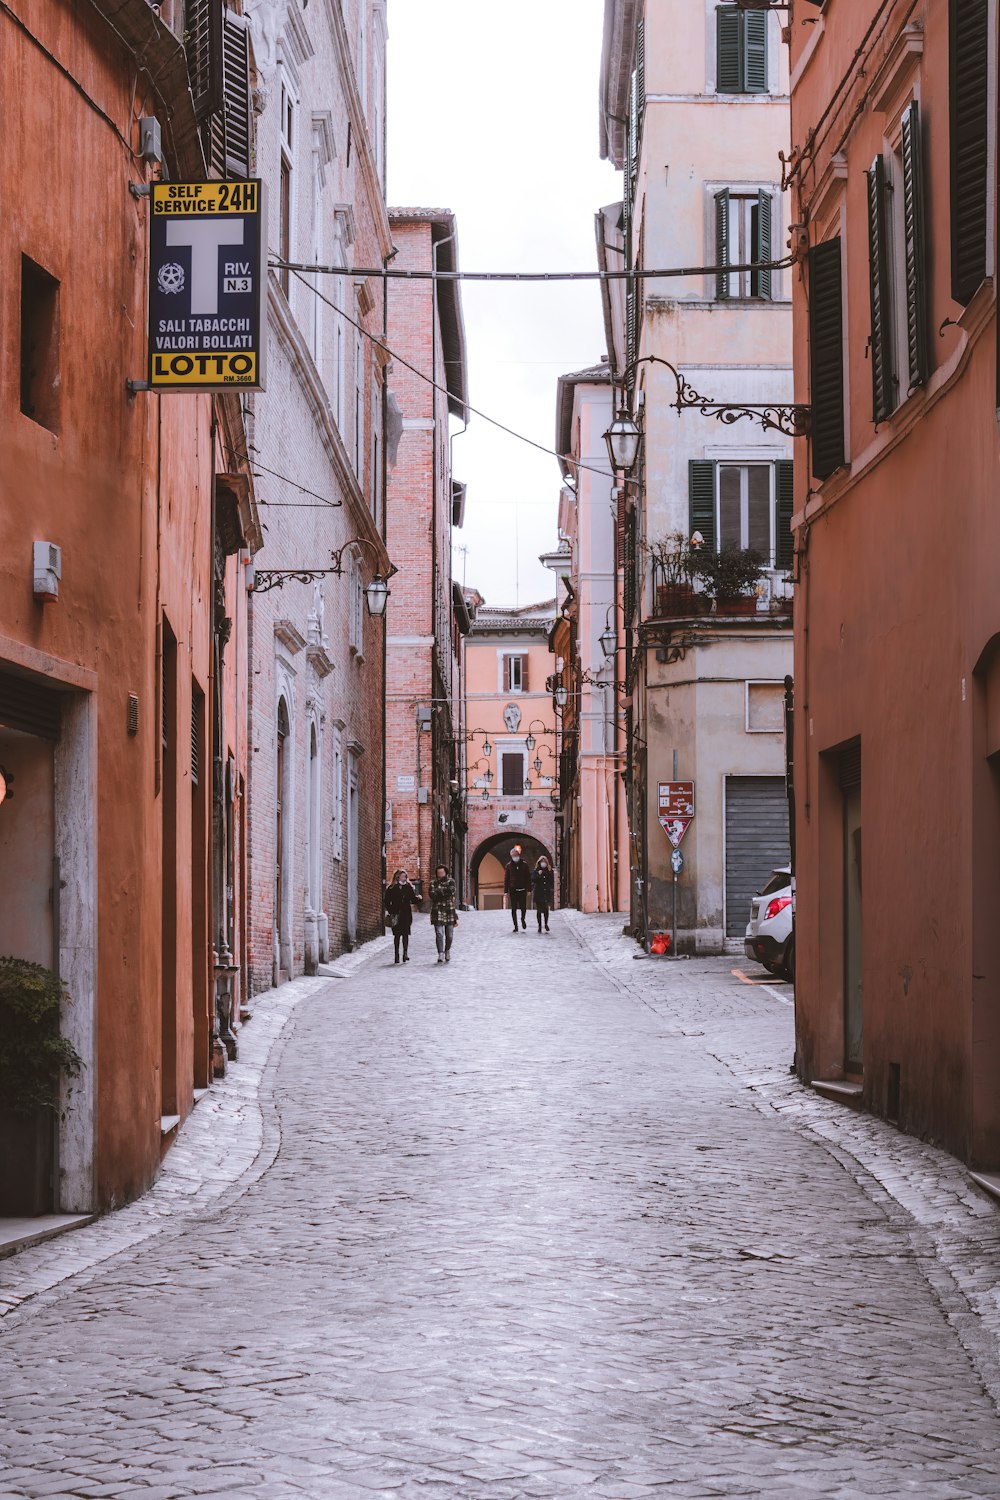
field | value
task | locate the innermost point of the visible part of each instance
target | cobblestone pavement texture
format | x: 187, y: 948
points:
x: 546, y: 1221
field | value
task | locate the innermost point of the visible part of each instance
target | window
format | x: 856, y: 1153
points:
x: 743, y: 505
x: 286, y: 201
x: 969, y: 124
x: 740, y: 51
x: 514, y: 674
x: 338, y: 793
x: 512, y: 773
x: 316, y: 311
x: 826, y: 357
x: 356, y: 612
x: 39, y: 345
x: 217, y: 43
x: 742, y: 235
x: 339, y: 354
x: 359, y: 397
x: 899, y: 352
x: 376, y: 465
x: 884, y: 379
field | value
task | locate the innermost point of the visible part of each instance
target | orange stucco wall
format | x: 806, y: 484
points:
x: 125, y: 489
x: 896, y: 609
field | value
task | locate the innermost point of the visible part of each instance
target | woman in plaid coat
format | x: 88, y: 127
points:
x: 444, y: 916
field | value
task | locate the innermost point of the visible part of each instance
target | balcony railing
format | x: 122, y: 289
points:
x: 670, y: 599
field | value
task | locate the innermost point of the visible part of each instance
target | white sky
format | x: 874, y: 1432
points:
x: 492, y: 112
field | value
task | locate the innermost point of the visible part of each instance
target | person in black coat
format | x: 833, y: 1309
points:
x: 517, y: 884
x: 543, y: 890
x: 400, y: 899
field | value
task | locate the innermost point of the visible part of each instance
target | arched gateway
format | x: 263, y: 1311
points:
x: 487, y: 865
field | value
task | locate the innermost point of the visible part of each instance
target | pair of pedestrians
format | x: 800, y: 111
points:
x: 400, y: 899
x: 519, y: 879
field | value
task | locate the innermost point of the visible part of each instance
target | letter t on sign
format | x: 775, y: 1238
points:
x: 205, y: 241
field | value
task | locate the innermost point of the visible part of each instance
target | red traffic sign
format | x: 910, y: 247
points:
x: 676, y: 808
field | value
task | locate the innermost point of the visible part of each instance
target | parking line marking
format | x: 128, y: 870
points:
x: 760, y: 984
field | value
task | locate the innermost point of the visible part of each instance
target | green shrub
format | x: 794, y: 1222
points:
x: 34, y: 1057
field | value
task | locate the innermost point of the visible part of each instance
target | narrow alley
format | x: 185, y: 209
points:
x: 542, y: 1222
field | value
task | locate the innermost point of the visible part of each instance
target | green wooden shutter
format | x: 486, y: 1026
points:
x: 203, y: 46
x: 640, y: 76
x: 722, y: 242
x: 969, y: 133
x: 701, y: 499
x: 760, y: 281
x: 728, y: 50
x: 784, y: 493
x: 826, y: 357
x: 913, y: 246
x: 883, y: 382
x: 755, y: 51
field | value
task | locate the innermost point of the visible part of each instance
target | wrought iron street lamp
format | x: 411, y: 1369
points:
x: 376, y: 593
x: 537, y: 763
x: 560, y: 696
x: 608, y: 639
x: 377, y: 596
x: 622, y: 438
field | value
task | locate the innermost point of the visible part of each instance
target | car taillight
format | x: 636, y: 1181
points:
x: 778, y: 904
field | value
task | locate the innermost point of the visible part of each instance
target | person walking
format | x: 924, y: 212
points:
x: 444, y: 912
x: 543, y: 889
x: 516, y: 885
x: 400, y: 899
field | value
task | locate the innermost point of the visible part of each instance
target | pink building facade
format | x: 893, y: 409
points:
x: 595, y: 863
x: 427, y: 616
x: 511, y: 763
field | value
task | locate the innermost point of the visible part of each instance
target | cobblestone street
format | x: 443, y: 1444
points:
x: 547, y: 1221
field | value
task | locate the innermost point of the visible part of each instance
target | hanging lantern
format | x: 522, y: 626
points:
x: 622, y: 438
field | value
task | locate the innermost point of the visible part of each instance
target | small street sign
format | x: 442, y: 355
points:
x: 676, y: 861
x: 676, y: 808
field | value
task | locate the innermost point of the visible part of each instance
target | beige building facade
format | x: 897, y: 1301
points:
x: 694, y: 112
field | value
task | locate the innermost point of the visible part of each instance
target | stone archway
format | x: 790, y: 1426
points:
x: 487, y: 865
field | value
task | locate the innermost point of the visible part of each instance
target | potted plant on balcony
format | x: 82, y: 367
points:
x: 731, y: 578
x: 676, y: 563
x: 34, y: 1059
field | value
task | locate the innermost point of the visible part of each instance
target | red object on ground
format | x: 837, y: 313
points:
x: 660, y: 943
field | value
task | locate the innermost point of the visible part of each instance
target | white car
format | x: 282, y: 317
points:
x: 770, y: 935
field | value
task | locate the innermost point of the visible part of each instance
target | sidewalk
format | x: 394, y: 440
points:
x: 228, y: 1141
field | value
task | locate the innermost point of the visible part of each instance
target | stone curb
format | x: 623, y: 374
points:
x: 227, y: 1142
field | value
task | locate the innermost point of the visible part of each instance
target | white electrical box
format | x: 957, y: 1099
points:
x: 47, y: 571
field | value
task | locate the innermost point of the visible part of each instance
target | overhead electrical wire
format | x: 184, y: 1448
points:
x: 391, y: 273
x: 443, y: 389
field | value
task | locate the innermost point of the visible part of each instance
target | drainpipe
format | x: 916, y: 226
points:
x: 435, y: 479
x: 384, y: 488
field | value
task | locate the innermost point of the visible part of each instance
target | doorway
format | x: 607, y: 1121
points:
x: 353, y: 835
x: 282, y: 862
x: 850, y: 785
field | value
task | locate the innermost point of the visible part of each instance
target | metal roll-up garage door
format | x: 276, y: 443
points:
x: 756, y: 841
